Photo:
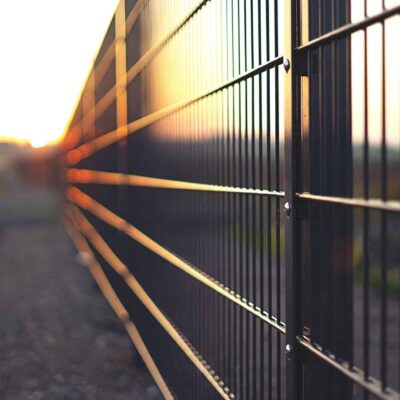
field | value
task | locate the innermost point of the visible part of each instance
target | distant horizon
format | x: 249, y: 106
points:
x: 11, y: 141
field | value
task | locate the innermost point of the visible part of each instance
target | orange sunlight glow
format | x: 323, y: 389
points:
x: 48, y: 49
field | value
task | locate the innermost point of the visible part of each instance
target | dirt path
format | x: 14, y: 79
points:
x: 59, y: 337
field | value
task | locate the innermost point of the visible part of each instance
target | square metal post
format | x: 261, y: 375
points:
x: 293, y: 361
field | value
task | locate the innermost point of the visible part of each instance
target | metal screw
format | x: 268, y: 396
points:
x: 288, y: 351
x: 288, y: 208
x: 286, y: 64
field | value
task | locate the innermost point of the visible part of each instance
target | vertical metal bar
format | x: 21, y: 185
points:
x: 235, y: 230
x: 293, y: 364
x: 121, y: 101
x: 261, y: 204
x: 383, y: 333
x: 241, y: 172
x: 330, y: 339
x: 254, y: 207
x: 88, y: 106
x: 349, y: 155
x: 197, y: 164
x: 203, y: 196
x: 269, y: 202
x: 366, y: 325
x: 247, y: 168
x: 277, y: 204
x: 229, y: 197
x: 222, y: 209
x: 120, y: 68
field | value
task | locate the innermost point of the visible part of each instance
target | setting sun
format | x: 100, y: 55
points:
x: 46, y: 63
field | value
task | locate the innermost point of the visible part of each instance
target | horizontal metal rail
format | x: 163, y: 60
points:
x: 89, y: 148
x: 376, y: 204
x: 84, y: 176
x: 85, y: 150
x: 348, y: 29
x: 183, y: 343
x: 109, y: 293
x: 356, y: 375
x: 84, y: 201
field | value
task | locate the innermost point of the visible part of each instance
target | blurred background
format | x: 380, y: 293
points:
x: 58, y: 337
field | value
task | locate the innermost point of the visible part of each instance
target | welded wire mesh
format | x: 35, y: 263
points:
x: 234, y: 168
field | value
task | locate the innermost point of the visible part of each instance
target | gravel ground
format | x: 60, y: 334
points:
x: 59, y: 339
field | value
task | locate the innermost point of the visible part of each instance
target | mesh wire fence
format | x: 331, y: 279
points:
x: 232, y: 171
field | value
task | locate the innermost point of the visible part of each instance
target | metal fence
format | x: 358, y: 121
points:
x: 232, y: 174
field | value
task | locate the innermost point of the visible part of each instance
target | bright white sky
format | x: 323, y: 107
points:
x: 47, y: 49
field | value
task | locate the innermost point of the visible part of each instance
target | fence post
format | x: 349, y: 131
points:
x: 293, y: 356
x: 121, y: 107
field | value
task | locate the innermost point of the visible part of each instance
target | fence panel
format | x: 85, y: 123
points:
x: 232, y: 177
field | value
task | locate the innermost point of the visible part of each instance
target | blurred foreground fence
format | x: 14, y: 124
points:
x: 233, y: 183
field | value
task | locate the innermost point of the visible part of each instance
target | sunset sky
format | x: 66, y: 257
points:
x: 47, y: 48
